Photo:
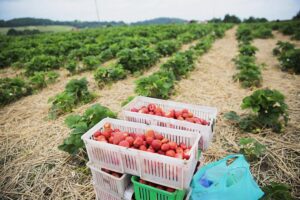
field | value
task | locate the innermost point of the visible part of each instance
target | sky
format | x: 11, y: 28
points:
x: 137, y: 10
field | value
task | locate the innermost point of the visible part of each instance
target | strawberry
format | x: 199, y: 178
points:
x: 180, y: 118
x: 179, y: 155
x: 159, y: 136
x: 190, y: 115
x: 138, y: 142
x: 173, y: 145
x: 107, y: 126
x: 170, y: 153
x: 170, y: 190
x: 178, y: 114
x: 150, y: 133
x: 183, y: 146
x: 118, y: 137
x: 185, y: 110
x: 107, y: 133
x: 158, y: 110
x: 130, y: 140
x: 165, y: 147
x: 165, y: 140
x: 156, y: 145
x: 152, y: 107
x: 149, y: 140
x: 143, y: 148
x: 124, y: 143
x: 134, y: 110
x: 97, y: 134
x: 185, y: 115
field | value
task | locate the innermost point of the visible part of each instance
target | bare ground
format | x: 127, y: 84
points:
x: 31, y: 165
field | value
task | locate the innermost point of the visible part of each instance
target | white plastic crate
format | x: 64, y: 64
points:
x: 110, y: 183
x: 160, y: 169
x: 203, y: 112
x: 102, y: 194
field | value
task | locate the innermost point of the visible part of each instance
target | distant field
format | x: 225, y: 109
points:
x: 54, y: 28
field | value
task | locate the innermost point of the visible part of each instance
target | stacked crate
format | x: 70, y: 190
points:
x: 155, y: 168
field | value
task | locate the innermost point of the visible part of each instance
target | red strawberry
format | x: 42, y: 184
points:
x: 170, y: 153
x: 183, y: 146
x: 149, y: 133
x: 165, y: 147
x: 159, y: 136
x: 138, y: 142
x: 178, y: 114
x: 97, y: 133
x: 173, y: 145
x: 156, y: 145
x: 149, y: 140
x: 152, y: 107
x: 165, y: 140
x: 185, y: 110
x: 124, y: 143
x: 130, y: 140
x: 143, y: 148
x: 134, y: 110
x: 185, y: 115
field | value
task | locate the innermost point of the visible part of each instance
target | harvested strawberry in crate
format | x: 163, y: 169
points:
x: 183, y: 114
x: 171, y: 114
x: 156, y: 154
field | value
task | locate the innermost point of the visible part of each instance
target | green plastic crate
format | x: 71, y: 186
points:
x: 143, y: 192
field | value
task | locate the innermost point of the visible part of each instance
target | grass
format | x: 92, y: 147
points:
x: 50, y: 28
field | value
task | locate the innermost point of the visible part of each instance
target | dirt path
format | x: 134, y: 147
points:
x: 211, y: 82
x: 33, y: 167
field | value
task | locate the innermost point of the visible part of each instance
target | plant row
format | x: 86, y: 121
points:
x: 135, y: 60
x: 249, y: 74
x: 288, y: 56
x: 12, y: 89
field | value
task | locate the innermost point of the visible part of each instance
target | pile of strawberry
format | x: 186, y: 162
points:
x: 183, y: 114
x: 150, y: 141
x: 157, y: 186
x: 115, y: 174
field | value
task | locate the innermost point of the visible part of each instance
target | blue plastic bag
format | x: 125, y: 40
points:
x: 219, y: 181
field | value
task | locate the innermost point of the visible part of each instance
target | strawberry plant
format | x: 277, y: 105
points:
x: 249, y: 76
x: 158, y: 85
x: 38, y: 80
x: 269, y: 110
x: 251, y: 148
x: 90, y: 62
x: 71, y: 66
x: 167, y: 47
x: 137, y: 59
x: 277, y: 191
x: 81, y: 124
x: 12, y: 89
x: 244, y: 34
x: 76, y: 92
x: 41, y: 63
x: 288, y: 56
x: 247, y: 50
x: 110, y: 74
x: 180, y: 64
